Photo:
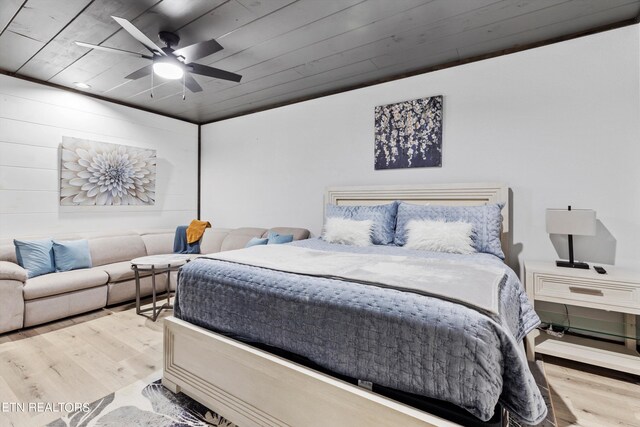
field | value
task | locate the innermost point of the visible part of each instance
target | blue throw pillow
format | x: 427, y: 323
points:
x: 71, y: 254
x: 255, y: 241
x: 383, y: 217
x: 276, y: 239
x: 35, y: 256
x: 486, y: 221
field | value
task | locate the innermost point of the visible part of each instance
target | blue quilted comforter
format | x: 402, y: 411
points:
x: 402, y: 340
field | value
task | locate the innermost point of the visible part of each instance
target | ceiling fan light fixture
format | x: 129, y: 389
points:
x: 168, y: 70
x: 167, y: 62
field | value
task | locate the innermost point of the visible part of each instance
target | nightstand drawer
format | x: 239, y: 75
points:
x: 595, y: 292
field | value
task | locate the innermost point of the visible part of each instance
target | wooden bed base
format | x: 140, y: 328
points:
x: 251, y: 387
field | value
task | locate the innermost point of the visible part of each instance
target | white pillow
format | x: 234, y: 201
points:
x: 440, y: 236
x: 348, y: 231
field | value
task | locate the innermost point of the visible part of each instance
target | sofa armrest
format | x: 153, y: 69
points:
x: 12, y: 271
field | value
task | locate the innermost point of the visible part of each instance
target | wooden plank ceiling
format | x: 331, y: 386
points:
x: 284, y: 49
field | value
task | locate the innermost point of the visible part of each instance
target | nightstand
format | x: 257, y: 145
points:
x: 618, y: 290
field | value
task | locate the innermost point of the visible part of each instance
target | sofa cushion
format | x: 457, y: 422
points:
x: 11, y: 305
x: 108, y: 250
x: 8, y: 251
x: 12, y: 271
x: 274, y: 238
x: 238, y: 238
x: 256, y: 241
x: 71, y: 254
x: 56, y: 307
x: 212, y: 240
x: 157, y: 244
x: 66, y: 281
x: 298, y: 233
x: 35, y: 256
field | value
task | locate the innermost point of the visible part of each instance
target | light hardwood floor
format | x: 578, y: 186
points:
x: 77, y: 360
x: 86, y: 357
x: 589, y: 396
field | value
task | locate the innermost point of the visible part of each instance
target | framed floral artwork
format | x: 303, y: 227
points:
x: 103, y: 174
x: 409, y: 134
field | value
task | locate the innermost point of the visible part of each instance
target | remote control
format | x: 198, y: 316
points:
x: 599, y: 269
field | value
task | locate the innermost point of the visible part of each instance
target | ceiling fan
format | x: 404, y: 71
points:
x: 167, y: 62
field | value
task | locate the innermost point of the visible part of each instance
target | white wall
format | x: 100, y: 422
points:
x: 33, y: 120
x: 559, y: 124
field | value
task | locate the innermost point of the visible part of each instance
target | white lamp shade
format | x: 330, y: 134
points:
x: 581, y: 222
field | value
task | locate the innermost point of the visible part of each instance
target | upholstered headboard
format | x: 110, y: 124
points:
x: 435, y: 194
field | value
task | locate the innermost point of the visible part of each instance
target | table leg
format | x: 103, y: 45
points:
x: 630, y: 331
x: 153, y: 291
x: 169, y: 285
x: 135, y: 269
x: 156, y: 308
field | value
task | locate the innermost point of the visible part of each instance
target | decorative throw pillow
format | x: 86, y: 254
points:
x: 274, y: 238
x: 383, y: 218
x: 486, y: 221
x: 440, y: 236
x: 35, y: 256
x: 348, y: 231
x: 256, y: 241
x: 71, y: 254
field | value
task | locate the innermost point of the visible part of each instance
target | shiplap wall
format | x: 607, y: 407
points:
x: 33, y: 120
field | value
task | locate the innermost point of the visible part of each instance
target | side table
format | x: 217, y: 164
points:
x: 156, y: 264
x: 617, y: 291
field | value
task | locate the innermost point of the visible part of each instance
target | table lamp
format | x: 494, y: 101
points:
x: 569, y: 221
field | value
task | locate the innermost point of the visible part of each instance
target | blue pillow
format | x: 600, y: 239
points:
x: 383, y: 217
x: 71, y: 254
x: 486, y: 221
x: 35, y: 256
x: 276, y: 239
x: 256, y: 241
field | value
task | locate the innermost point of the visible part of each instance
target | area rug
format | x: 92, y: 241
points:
x: 143, y: 404
x: 148, y: 403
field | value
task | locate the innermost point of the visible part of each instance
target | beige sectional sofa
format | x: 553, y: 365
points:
x: 28, y: 302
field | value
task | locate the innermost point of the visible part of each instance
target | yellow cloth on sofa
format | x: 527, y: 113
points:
x: 195, y: 230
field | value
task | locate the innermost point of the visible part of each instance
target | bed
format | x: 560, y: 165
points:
x: 238, y: 323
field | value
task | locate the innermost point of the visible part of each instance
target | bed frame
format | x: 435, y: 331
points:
x: 252, y: 387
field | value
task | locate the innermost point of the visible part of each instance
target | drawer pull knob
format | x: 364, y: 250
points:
x: 587, y: 291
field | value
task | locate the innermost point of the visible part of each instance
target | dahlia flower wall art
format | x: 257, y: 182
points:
x: 102, y: 174
x: 409, y: 134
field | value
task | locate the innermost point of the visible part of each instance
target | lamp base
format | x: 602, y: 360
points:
x: 574, y: 264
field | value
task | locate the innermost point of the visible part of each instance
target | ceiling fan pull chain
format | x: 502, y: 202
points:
x: 152, y: 84
x: 184, y: 96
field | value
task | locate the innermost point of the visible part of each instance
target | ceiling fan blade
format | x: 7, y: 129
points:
x: 191, y: 83
x: 112, y: 50
x: 213, y: 72
x: 142, y: 72
x: 138, y: 35
x: 198, y: 50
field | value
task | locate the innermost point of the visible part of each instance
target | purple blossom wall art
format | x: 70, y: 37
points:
x: 409, y: 134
